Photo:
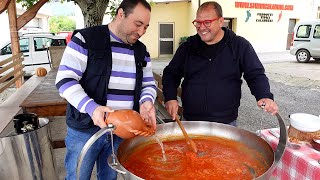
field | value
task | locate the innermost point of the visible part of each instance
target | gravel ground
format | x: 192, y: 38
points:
x: 6, y: 93
x: 290, y: 99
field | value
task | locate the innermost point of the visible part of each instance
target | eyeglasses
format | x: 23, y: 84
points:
x: 206, y: 23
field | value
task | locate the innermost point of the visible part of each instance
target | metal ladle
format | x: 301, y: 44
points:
x: 251, y: 170
x: 124, y: 123
x: 94, y: 138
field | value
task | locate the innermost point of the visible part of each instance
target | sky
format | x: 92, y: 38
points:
x: 61, y: 9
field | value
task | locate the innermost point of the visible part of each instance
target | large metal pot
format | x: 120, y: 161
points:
x: 169, y: 130
x: 27, y: 153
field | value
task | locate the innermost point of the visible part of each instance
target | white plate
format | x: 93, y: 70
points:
x: 305, y: 122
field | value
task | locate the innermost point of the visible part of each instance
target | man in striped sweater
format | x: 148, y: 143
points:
x: 105, y: 68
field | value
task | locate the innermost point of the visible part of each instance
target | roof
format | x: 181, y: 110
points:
x: 308, y: 21
x: 168, y: 1
x: 42, y: 34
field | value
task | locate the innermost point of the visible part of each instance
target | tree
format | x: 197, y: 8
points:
x: 92, y: 10
x: 113, y: 6
x: 61, y: 23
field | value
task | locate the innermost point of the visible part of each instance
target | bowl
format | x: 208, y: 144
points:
x: 316, y: 144
x: 305, y: 122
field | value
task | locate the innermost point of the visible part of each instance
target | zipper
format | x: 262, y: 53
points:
x: 211, y: 65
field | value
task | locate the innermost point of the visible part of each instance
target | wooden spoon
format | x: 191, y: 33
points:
x: 191, y: 144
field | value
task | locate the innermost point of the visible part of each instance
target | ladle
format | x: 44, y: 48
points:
x: 251, y: 170
x: 191, y: 144
x: 124, y: 123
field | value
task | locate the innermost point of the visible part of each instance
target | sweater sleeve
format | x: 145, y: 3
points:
x: 254, y: 74
x: 148, y: 92
x: 71, y: 69
x: 173, y: 73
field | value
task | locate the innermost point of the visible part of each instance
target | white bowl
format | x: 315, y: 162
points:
x: 305, y: 122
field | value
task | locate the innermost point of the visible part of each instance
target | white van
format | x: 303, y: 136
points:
x: 306, y: 41
x: 34, y: 47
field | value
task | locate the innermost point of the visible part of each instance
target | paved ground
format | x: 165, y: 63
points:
x: 280, y: 67
x: 296, y: 88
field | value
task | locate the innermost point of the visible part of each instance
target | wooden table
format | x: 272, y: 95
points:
x: 45, y: 101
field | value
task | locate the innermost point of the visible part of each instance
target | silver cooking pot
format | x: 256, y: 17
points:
x: 169, y: 130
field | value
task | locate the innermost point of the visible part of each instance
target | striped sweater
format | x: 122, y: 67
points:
x: 122, y: 81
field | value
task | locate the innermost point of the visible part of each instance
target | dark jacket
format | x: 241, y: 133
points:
x: 211, y: 87
x: 97, y: 74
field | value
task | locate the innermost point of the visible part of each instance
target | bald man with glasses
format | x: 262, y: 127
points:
x: 211, y: 64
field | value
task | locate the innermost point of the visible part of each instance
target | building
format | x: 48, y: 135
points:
x: 267, y: 24
x: 38, y: 23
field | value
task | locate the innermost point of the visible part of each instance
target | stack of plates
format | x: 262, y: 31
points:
x: 305, y: 122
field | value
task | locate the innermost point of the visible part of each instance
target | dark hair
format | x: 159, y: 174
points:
x: 216, y: 6
x: 129, y: 5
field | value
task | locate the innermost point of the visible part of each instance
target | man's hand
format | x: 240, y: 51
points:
x: 98, y: 116
x: 172, y: 107
x: 148, y: 113
x: 270, y: 105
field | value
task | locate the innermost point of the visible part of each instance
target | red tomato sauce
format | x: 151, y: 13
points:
x: 217, y: 158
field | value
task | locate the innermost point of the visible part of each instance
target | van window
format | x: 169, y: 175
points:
x: 6, y: 50
x: 42, y: 43
x: 316, y: 33
x: 24, y: 47
x: 303, y: 31
x: 58, y: 42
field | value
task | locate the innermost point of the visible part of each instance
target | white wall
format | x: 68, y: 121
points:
x: 268, y: 36
x: 43, y: 16
x: 4, y: 30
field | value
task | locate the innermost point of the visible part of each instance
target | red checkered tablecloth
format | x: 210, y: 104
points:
x: 303, y: 163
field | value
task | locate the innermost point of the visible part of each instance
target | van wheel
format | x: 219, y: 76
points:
x: 303, y: 56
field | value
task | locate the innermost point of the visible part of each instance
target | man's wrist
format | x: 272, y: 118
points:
x: 144, y: 100
x: 91, y: 107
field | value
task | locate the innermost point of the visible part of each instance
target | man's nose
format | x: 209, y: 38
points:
x: 141, y: 31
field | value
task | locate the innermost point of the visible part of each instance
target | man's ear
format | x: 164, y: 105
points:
x: 121, y: 13
x: 221, y: 21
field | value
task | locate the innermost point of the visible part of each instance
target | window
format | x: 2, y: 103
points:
x: 42, y: 43
x: 24, y: 47
x: 58, y: 42
x: 303, y: 31
x: 6, y: 50
x: 316, y: 33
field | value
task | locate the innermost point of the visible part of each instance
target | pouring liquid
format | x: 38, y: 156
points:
x: 162, y: 147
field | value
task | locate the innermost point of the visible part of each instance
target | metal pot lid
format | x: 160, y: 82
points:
x: 305, y: 122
